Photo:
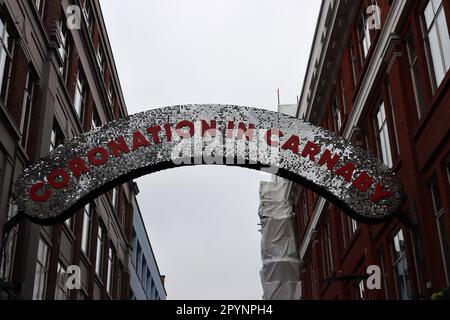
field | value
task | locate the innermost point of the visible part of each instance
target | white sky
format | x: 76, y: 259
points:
x: 202, y: 221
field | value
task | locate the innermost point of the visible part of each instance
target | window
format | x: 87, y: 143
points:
x: 6, y: 52
x: 152, y: 289
x: 69, y: 223
x: 99, y: 252
x: 111, y: 254
x: 80, y: 94
x: 144, y: 273
x: 327, y: 254
x: 148, y: 286
x: 111, y: 93
x: 313, y: 279
x: 305, y: 210
x: 415, y: 73
x: 441, y: 226
x: 40, y: 277
x: 344, y: 101
x: 88, y: 15
x: 56, y: 137
x: 401, y: 272
x: 114, y: 198
x: 438, y: 41
x: 361, y: 290
x: 353, y: 62
x: 100, y: 57
x: 337, y: 120
x: 26, y: 109
x: 138, y: 264
x: 86, y: 231
x: 393, y: 118
x: 352, y: 226
x: 61, y: 290
x: 382, y: 135
x: 39, y: 4
x: 119, y: 282
x: 133, y: 247
x: 96, y: 122
x: 64, y: 48
x: 363, y: 36
x: 10, y: 246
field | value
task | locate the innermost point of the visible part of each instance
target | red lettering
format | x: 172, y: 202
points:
x: 168, y: 130
x: 346, y: 171
x: 58, y: 179
x: 311, y: 149
x: 272, y: 132
x: 139, y: 140
x: 118, y: 146
x: 242, y: 129
x: 363, y: 182
x: 78, y: 167
x: 210, y: 128
x: 328, y: 158
x: 292, y: 144
x: 93, y: 156
x: 380, y: 193
x: 154, y: 131
x: 184, y: 134
x: 230, y: 128
x: 36, y: 193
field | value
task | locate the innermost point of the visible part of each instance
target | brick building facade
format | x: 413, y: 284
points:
x: 58, y: 79
x: 380, y: 78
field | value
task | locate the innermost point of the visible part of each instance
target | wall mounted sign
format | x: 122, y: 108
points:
x: 76, y: 172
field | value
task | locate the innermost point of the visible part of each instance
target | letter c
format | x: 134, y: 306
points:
x: 270, y: 133
x: 34, y: 193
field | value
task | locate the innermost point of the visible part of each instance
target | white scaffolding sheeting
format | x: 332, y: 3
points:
x: 280, y: 274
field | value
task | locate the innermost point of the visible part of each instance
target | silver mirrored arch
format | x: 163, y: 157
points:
x: 53, y: 188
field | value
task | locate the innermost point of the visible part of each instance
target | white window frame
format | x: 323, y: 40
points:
x: 79, y: 99
x: 99, y: 250
x: 86, y: 228
x: 382, y: 135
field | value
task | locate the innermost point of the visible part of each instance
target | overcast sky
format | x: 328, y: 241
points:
x: 202, y: 221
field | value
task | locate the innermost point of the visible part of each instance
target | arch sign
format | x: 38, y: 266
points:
x: 76, y: 172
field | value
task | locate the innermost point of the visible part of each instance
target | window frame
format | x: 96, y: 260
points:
x: 435, y: 84
x: 27, y: 107
x: 413, y: 64
x: 402, y: 258
x: 86, y: 229
x: 364, y: 39
x: 8, y: 50
x: 61, y: 290
x: 42, y: 265
x: 57, y: 136
x: 79, y: 99
x: 439, y: 215
x: 99, y: 251
x: 380, y: 129
x: 39, y: 5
